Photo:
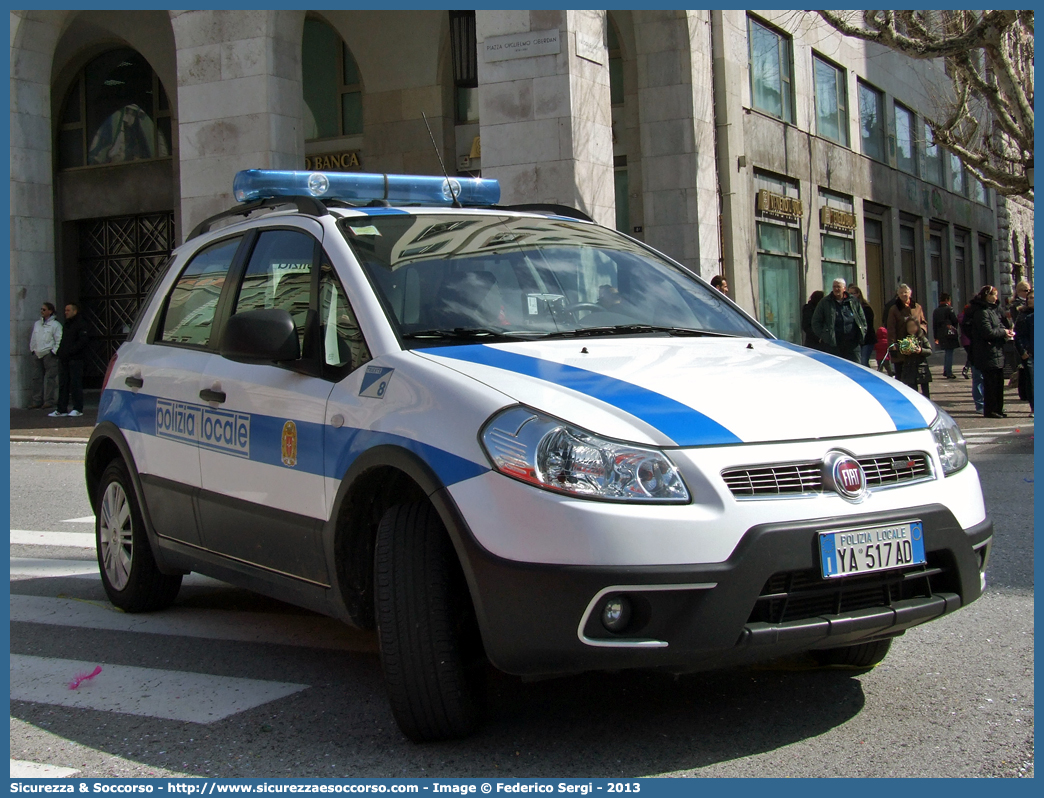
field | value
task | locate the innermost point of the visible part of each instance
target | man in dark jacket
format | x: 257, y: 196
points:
x: 70, y: 362
x: 988, y: 336
x: 945, y: 332
x: 839, y: 323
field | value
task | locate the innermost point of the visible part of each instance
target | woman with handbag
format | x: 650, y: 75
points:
x: 946, y: 334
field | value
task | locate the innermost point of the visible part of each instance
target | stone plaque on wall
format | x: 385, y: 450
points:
x: 522, y: 45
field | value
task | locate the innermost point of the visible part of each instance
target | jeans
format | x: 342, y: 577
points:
x: 977, y: 394
x: 948, y: 363
x: 70, y: 381
x: 864, y: 354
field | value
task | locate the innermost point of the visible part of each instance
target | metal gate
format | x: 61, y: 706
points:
x: 119, y: 259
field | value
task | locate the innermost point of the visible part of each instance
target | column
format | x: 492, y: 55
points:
x: 239, y: 101
x: 544, y: 108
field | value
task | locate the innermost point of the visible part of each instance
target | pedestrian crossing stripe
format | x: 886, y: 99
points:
x: 149, y: 692
x: 77, y: 540
x: 304, y: 630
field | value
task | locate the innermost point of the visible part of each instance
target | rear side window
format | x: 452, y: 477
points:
x: 189, y: 316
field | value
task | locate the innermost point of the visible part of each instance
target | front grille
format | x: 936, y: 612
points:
x: 800, y: 595
x: 798, y: 478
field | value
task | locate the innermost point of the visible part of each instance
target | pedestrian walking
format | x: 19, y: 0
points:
x: 988, y: 336
x: 43, y: 343
x: 1024, y: 346
x: 964, y: 320
x: 869, y: 343
x: 839, y: 323
x: 946, y: 332
x: 809, y: 338
x: 899, y: 311
x: 70, y: 363
x: 912, y: 351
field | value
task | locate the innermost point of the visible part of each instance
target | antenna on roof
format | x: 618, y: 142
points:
x: 453, y: 193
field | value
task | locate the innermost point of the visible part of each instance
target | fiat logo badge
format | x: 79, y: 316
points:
x: 843, y: 473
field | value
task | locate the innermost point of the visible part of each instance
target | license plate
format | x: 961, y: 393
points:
x: 849, y: 552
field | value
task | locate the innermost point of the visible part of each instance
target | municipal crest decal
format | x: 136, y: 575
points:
x: 289, y: 445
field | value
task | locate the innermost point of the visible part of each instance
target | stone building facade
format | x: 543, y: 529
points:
x: 755, y: 144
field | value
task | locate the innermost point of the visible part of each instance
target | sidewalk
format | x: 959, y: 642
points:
x: 953, y: 396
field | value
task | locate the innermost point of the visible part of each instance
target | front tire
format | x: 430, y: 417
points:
x: 431, y: 651
x: 863, y: 655
x: 129, y: 573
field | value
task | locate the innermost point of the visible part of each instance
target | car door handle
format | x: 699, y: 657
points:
x: 134, y: 382
x: 208, y: 395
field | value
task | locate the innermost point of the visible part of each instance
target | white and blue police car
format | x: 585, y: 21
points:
x: 509, y: 436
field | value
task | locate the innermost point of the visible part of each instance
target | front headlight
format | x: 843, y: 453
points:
x: 953, y: 450
x: 551, y: 454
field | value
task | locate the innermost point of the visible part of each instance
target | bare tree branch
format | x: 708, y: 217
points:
x: 988, y: 119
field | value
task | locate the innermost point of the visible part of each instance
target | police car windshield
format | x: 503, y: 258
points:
x: 528, y: 277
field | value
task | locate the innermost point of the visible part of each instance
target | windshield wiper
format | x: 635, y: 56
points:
x: 464, y: 333
x: 631, y: 329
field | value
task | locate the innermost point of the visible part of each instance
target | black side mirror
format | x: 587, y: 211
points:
x: 261, y: 336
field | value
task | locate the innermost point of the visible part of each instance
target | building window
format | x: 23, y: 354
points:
x: 332, y: 88
x: 831, y: 105
x: 116, y: 112
x: 770, y: 71
x: 779, y: 258
x: 837, y: 224
x: 871, y: 121
x: 932, y: 157
x: 464, y: 44
x: 905, y: 152
x: 616, y: 84
x: 623, y: 206
x: 976, y: 189
x: 958, y: 185
x: 985, y: 261
x: 907, y: 254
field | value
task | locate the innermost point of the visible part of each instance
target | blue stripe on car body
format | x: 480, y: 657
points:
x: 321, y: 449
x: 684, y: 425
x: 901, y: 410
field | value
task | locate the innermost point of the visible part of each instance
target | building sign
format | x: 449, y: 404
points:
x: 590, y: 49
x: 522, y: 45
x: 832, y: 217
x: 333, y: 161
x: 779, y: 205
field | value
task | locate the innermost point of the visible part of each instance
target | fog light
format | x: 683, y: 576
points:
x: 616, y: 613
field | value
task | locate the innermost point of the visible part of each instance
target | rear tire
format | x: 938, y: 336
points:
x: 129, y: 573
x: 863, y: 655
x: 431, y: 651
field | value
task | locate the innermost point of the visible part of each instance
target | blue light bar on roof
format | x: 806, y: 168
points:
x: 255, y: 184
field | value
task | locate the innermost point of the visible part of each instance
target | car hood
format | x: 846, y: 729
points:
x: 695, y: 391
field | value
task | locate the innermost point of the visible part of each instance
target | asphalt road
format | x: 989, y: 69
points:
x: 954, y: 697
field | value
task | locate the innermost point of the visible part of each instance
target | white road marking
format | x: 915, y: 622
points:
x: 47, y: 568
x: 34, y: 770
x: 87, y: 519
x: 76, y: 540
x: 308, y: 631
x: 149, y: 692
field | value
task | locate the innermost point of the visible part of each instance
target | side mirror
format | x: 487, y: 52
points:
x: 257, y: 336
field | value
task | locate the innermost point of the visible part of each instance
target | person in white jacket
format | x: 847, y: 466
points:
x: 47, y: 334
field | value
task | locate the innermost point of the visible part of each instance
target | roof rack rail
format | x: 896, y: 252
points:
x: 306, y: 205
x: 547, y: 207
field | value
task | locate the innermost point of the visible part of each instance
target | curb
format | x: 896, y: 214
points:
x: 46, y: 439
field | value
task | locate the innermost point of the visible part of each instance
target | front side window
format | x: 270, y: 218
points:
x: 331, y: 85
x: 456, y: 279
x: 831, y: 103
x: 279, y: 276
x: 116, y: 112
x: 189, y: 315
x: 905, y: 154
x: 871, y: 121
x: 770, y: 71
x: 343, y: 345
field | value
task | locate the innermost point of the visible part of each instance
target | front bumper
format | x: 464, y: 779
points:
x: 766, y: 600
